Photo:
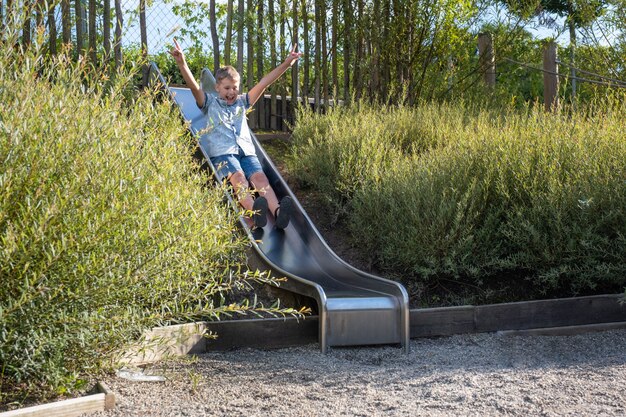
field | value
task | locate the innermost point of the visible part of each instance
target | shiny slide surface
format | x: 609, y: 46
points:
x: 354, y: 307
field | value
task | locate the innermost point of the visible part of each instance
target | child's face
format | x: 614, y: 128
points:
x: 228, y: 90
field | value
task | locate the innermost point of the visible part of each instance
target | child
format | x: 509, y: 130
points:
x: 228, y: 141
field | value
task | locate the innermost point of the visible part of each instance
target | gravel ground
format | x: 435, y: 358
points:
x: 479, y: 374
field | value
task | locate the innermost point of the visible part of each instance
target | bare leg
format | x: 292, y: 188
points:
x: 241, y: 189
x: 262, y: 185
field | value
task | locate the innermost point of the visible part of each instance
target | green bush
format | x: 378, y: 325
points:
x: 107, y: 226
x: 444, y: 192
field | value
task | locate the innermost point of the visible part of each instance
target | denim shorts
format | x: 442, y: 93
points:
x: 225, y: 165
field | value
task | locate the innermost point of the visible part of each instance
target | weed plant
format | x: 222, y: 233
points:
x: 505, y: 204
x: 106, y: 225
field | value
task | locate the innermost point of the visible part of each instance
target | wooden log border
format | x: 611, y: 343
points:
x: 103, y: 400
x: 558, y: 316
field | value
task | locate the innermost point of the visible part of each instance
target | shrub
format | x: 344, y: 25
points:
x: 106, y: 225
x: 451, y: 192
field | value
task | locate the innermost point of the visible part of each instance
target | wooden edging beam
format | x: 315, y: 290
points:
x: 540, y: 314
x: 577, y: 314
x: 103, y: 400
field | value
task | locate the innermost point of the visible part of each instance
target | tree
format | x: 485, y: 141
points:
x: 229, y: 32
x: 65, y: 22
x: 93, y: 49
x: 577, y: 14
x: 52, y: 29
x: 240, y: 38
x: 214, y: 37
x: 119, y: 23
x: 106, y: 29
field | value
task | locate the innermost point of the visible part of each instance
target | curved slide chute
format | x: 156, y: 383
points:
x: 354, y: 307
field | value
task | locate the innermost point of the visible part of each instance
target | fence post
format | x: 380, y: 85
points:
x: 550, y: 76
x: 487, y: 59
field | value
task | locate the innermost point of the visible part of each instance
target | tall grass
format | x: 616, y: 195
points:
x: 106, y: 224
x: 478, y: 197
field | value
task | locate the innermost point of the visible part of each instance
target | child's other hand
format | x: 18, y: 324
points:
x: 177, y: 53
x: 293, y: 56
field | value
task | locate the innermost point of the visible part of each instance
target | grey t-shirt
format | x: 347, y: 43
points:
x: 227, y: 127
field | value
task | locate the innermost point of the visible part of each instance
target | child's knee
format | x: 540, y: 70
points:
x: 239, y: 183
x: 259, y: 180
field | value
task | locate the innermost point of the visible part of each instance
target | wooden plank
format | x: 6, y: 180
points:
x: 263, y: 333
x: 550, y: 313
x: 283, y: 332
x: 65, y: 408
x: 109, y: 396
x: 565, y: 331
x: 441, y: 321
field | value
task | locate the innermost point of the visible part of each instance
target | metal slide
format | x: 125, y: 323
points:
x: 354, y: 307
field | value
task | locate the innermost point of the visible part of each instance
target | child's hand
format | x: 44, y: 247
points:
x: 293, y: 55
x: 177, y: 53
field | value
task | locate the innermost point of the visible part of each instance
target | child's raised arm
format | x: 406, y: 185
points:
x: 179, y: 57
x: 257, y: 91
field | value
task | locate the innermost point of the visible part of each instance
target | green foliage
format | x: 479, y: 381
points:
x: 106, y: 225
x: 451, y: 192
x: 196, y: 60
x: 196, y: 17
x: 580, y: 12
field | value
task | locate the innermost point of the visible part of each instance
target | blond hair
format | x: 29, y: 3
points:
x: 227, y: 72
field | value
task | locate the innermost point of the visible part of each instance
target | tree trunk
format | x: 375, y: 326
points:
x: 214, y: 37
x: 144, y: 41
x: 26, y: 30
x: 250, y: 58
x: 306, y: 58
x: 273, y: 63
x: 283, y: 84
x: 358, y: 59
x: 347, y: 42
x: 260, y: 106
x: 240, y: 26
x: 324, y: 53
x: 106, y: 30
x: 52, y: 29
x: 333, y: 47
x: 119, y: 23
x: 317, y: 70
x: 93, y: 48
x: 388, y: 50
x: 229, y: 32
x: 80, y: 37
x: 39, y: 9
x: 143, y: 28
x: 294, y: 67
x: 376, y: 46
x: 66, y: 22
